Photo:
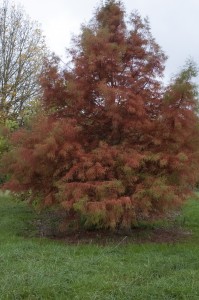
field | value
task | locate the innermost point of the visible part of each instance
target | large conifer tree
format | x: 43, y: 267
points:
x: 114, y: 146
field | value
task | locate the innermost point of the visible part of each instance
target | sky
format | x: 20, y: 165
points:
x: 174, y: 24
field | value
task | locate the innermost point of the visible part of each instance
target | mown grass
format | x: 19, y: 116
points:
x: 37, y: 268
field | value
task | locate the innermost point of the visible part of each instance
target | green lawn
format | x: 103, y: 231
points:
x: 36, y: 268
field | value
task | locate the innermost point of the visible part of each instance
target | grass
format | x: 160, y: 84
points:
x: 36, y: 268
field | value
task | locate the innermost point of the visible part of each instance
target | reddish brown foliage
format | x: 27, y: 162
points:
x: 114, y: 147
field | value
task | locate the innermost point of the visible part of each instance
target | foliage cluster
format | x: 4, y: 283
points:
x: 114, y: 146
x: 22, y: 51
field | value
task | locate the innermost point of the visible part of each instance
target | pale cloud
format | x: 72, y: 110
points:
x: 174, y: 24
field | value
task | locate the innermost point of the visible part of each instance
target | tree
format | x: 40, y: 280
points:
x: 115, y: 147
x: 22, y: 50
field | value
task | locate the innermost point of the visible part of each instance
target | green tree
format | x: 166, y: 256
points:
x: 22, y: 50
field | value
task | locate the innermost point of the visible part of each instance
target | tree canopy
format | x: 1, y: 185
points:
x: 22, y: 50
x: 115, y: 146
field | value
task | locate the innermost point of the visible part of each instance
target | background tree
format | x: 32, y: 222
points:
x: 22, y: 50
x: 115, y: 147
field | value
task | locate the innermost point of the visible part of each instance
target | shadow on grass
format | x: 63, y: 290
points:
x: 170, y: 230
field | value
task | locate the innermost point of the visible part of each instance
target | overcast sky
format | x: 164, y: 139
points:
x: 174, y: 24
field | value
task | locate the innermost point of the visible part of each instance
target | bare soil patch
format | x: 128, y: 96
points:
x: 158, y: 235
x: 48, y: 223
x: 105, y: 237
